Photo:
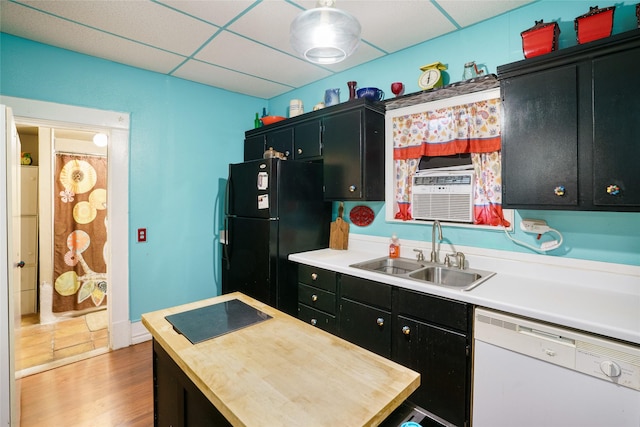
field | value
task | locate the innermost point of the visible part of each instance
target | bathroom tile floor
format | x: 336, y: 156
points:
x: 43, y: 347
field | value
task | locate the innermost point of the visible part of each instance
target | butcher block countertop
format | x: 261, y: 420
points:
x: 281, y: 371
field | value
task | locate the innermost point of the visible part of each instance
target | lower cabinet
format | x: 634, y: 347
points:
x: 177, y: 402
x: 432, y: 336
x: 365, y: 314
x: 429, y: 334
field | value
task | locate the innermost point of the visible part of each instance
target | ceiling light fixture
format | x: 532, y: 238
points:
x: 325, y: 35
x: 100, y: 139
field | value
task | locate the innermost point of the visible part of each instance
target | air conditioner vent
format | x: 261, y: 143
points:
x: 446, y: 196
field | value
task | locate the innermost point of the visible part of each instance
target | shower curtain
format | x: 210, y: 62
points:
x: 80, y: 232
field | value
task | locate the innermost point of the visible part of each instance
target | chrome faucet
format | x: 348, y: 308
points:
x: 434, y: 253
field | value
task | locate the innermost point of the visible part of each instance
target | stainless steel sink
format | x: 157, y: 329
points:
x: 446, y: 276
x: 427, y: 272
x: 393, y: 266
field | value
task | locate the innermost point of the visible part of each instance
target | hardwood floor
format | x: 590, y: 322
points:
x: 113, y: 389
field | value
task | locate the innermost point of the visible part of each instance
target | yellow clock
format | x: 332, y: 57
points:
x: 431, y: 75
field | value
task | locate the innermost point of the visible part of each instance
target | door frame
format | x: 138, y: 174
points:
x: 53, y: 115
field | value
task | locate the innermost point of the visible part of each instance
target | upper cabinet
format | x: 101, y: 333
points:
x: 348, y: 138
x: 353, y: 154
x: 569, y: 137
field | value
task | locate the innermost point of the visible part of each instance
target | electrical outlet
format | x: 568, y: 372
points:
x: 142, y: 234
x: 535, y: 226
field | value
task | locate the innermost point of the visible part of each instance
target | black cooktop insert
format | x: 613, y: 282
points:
x: 208, y: 322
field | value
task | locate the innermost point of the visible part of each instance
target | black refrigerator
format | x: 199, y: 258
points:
x: 274, y: 208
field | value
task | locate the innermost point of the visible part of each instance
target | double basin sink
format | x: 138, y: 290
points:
x: 427, y: 272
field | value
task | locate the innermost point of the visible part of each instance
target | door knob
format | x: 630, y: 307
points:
x: 20, y: 264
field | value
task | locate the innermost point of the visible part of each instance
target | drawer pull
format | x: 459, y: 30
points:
x: 314, y: 297
x: 406, y: 330
x: 314, y: 322
x: 314, y: 276
x: 352, y: 188
x: 299, y: 150
x: 380, y: 321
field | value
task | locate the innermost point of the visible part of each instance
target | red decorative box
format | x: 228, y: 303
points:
x: 596, y: 24
x: 540, y: 39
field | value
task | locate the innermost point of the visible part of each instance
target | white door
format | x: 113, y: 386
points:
x: 10, y: 233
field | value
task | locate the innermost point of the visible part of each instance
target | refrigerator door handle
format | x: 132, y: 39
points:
x: 226, y: 222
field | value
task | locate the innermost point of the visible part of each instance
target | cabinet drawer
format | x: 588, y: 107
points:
x: 317, y: 298
x: 363, y: 290
x: 436, y: 310
x: 317, y: 318
x: 317, y: 277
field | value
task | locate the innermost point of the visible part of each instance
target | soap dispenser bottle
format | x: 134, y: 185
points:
x: 394, y: 247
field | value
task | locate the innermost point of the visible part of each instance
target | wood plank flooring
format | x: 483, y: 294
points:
x: 113, y: 389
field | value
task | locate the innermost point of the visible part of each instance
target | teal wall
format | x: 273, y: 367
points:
x: 183, y: 136
x: 182, y: 140
x: 600, y: 236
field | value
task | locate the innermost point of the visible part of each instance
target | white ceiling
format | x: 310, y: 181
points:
x: 238, y: 45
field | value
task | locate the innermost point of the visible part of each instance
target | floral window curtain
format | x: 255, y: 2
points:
x: 468, y: 128
x: 80, y: 232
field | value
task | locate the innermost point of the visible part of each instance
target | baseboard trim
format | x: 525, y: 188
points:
x: 139, y: 333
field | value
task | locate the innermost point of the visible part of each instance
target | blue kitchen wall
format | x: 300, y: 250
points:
x: 600, y: 236
x: 183, y: 136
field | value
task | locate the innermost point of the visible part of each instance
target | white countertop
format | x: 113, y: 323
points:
x: 596, y: 297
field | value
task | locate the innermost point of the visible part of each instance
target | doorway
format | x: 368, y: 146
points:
x: 64, y: 290
x: 116, y: 124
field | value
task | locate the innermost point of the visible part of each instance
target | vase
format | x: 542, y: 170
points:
x: 352, y: 90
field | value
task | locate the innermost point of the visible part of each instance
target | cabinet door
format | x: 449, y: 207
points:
x: 540, y: 139
x: 254, y: 147
x: 616, y: 145
x: 281, y: 140
x: 440, y: 356
x: 307, y: 140
x: 342, y: 155
x: 366, y: 326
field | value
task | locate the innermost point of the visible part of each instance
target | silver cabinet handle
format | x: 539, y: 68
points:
x: 406, y: 330
x: 380, y: 321
x: 314, y: 276
x: 314, y: 322
x: 299, y: 150
x: 314, y: 297
x: 352, y: 188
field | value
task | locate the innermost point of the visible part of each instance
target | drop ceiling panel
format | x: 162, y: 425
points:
x: 34, y: 25
x: 470, y: 12
x: 272, y: 31
x: 238, y: 53
x: 236, y: 82
x: 393, y: 26
x: 218, y: 12
x: 143, y: 21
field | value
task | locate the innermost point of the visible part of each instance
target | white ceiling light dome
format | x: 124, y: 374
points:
x: 325, y: 35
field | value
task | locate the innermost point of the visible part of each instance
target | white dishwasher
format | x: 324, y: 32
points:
x: 528, y: 373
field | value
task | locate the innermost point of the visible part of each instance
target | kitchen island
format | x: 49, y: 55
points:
x: 278, y: 372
